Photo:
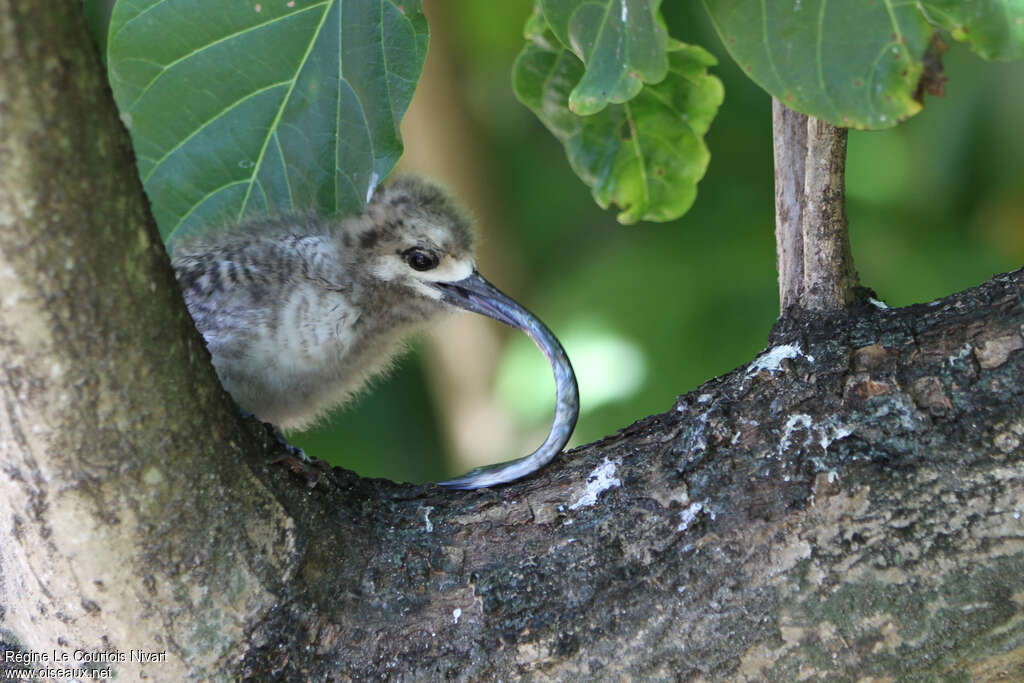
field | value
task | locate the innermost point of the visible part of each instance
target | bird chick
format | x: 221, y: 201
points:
x: 299, y: 311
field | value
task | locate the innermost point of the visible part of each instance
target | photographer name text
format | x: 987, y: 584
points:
x: 84, y: 657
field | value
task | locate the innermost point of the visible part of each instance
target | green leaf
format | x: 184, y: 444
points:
x: 993, y: 28
x: 622, y: 43
x: 854, y: 64
x: 536, y: 24
x: 646, y: 155
x: 262, y: 106
x: 97, y: 16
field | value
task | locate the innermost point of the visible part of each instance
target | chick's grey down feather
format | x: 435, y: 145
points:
x: 299, y: 311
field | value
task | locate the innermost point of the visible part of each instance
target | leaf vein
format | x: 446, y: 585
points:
x: 201, y: 201
x: 284, y: 102
x: 223, y: 39
x: 767, y: 46
x: 135, y: 18
x: 207, y: 123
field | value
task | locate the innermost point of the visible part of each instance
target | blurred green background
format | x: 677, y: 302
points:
x: 652, y: 311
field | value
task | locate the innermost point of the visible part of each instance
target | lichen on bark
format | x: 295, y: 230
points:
x: 813, y: 515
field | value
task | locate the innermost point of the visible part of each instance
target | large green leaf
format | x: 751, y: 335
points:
x: 993, y: 28
x: 621, y: 42
x: 97, y: 15
x: 239, y: 107
x: 853, y: 64
x: 645, y: 155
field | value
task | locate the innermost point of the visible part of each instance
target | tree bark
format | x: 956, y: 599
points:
x: 812, y: 238
x: 847, y: 505
x: 126, y: 517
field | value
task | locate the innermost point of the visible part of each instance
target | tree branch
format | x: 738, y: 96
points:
x: 822, y: 510
x: 789, y: 134
x: 815, y: 264
x: 128, y: 520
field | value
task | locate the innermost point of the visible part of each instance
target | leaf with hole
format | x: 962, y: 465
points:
x: 241, y: 107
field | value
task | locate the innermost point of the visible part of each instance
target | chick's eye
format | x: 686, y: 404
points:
x: 420, y: 259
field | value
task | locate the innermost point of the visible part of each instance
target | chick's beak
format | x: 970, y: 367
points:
x: 476, y: 294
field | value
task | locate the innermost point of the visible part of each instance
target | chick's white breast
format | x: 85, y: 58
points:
x: 309, y: 339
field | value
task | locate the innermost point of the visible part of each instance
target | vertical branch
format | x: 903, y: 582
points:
x: 815, y: 262
x: 829, y: 275
x: 789, y: 134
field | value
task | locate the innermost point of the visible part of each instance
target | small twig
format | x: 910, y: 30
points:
x: 789, y: 133
x: 815, y: 263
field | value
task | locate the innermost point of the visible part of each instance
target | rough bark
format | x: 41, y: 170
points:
x: 789, y: 134
x: 815, y: 264
x: 847, y: 505
x: 126, y: 520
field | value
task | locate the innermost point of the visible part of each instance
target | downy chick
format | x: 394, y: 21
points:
x: 299, y: 311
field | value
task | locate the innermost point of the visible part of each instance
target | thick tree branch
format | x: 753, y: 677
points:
x: 849, y: 502
x: 815, y: 263
x: 124, y: 509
